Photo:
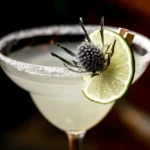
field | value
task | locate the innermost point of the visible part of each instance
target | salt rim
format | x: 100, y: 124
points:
x: 57, y: 30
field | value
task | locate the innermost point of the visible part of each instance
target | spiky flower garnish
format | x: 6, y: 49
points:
x: 89, y: 57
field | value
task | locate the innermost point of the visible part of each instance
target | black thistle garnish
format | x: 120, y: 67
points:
x: 89, y: 57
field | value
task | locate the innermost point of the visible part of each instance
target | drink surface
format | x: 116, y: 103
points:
x: 60, y: 99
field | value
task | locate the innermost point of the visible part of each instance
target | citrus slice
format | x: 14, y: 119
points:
x: 113, y: 83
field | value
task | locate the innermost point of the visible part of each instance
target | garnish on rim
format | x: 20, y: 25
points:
x: 108, y: 57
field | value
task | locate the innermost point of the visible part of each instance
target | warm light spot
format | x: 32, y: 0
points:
x: 51, y: 42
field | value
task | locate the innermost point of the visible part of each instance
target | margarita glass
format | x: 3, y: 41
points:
x: 55, y: 90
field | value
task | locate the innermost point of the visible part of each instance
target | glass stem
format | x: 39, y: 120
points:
x: 75, y: 140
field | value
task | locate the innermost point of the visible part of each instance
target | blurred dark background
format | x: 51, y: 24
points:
x: 126, y: 127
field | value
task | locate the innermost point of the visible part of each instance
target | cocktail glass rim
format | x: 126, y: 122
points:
x: 56, y: 30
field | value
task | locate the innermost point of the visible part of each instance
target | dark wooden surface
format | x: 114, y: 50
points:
x: 22, y: 127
